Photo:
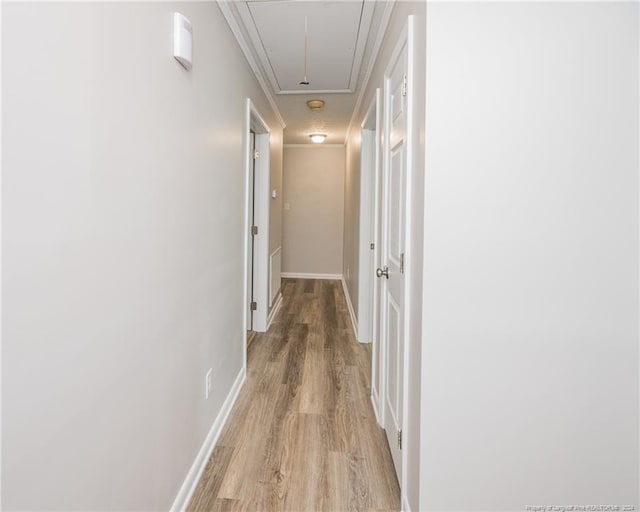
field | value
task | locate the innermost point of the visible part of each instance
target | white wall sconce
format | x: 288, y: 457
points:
x: 317, y: 138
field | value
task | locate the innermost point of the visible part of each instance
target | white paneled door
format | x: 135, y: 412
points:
x: 396, y: 169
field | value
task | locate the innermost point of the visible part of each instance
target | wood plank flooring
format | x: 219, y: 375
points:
x: 302, y: 435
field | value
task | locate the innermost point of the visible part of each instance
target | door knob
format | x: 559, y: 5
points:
x: 383, y: 272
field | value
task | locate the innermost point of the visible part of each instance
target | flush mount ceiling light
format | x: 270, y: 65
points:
x: 305, y: 81
x: 315, y: 104
x: 318, y: 138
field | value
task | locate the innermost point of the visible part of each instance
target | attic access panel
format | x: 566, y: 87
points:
x: 336, y: 37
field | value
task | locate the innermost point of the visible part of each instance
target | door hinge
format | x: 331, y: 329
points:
x: 404, y: 85
x: 254, y: 230
x: 372, y: 246
x: 400, y: 439
x: 402, y: 263
x: 256, y: 154
x: 254, y: 306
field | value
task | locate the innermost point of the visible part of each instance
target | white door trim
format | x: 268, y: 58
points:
x: 368, y: 162
x: 370, y: 204
x: 254, y: 122
x: 408, y: 268
x: 249, y: 259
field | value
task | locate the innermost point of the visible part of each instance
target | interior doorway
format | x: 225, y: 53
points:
x: 256, y: 227
x: 251, y: 242
x: 369, y: 250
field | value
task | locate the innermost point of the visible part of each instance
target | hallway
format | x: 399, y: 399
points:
x: 458, y: 180
x: 302, y: 434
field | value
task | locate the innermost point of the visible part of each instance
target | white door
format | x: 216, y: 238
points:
x: 396, y: 169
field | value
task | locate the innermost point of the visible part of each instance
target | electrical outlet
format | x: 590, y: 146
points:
x: 207, y: 389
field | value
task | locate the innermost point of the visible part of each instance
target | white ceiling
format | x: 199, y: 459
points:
x: 332, y: 37
x: 342, y: 37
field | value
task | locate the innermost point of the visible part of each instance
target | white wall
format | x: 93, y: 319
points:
x: 122, y: 246
x: 401, y: 10
x: 530, y: 352
x: 313, y: 224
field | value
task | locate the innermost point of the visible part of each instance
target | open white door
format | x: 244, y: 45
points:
x: 396, y: 171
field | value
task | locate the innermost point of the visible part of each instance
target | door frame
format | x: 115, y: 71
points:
x: 406, y: 37
x: 253, y: 121
x: 250, y: 247
x: 370, y: 211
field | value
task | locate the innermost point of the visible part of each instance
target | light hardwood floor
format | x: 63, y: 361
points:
x: 302, y: 434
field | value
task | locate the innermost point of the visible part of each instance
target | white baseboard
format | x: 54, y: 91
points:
x: 193, y: 477
x: 374, y: 403
x: 352, y: 314
x: 274, y: 310
x: 302, y: 275
x: 275, y: 279
x: 405, y: 503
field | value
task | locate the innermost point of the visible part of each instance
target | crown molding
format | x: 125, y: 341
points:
x: 227, y: 11
x: 384, y: 23
x: 366, y: 16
